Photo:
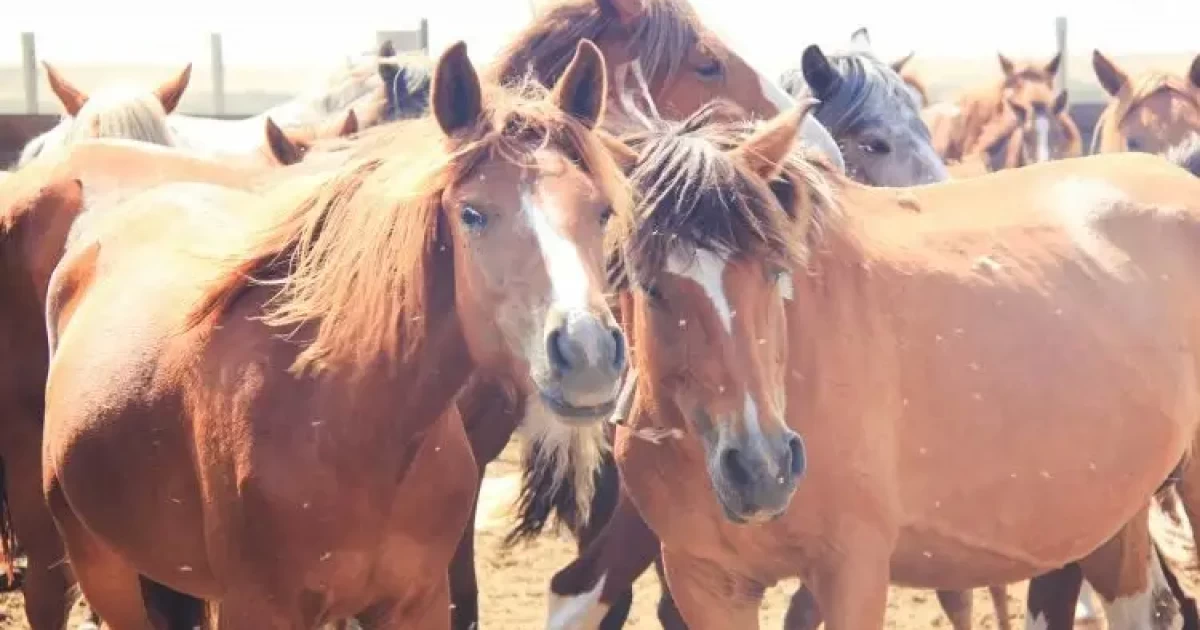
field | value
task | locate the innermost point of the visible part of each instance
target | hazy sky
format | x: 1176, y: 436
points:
x: 770, y: 33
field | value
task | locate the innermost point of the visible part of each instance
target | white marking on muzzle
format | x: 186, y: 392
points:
x: 1041, y: 127
x: 707, y: 269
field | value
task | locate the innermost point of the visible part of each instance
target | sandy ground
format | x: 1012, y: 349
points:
x: 514, y: 583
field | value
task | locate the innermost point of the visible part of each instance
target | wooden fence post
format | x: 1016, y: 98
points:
x: 217, y: 50
x: 1060, y: 31
x: 30, y: 71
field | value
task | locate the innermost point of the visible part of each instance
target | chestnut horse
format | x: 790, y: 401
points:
x: 773, y: 379
x: 675, y: 61
x: 958, y: 126
x: 303, y: 346
x: 1150, y: 112
x: 112, y: 112
x: 287, y: 147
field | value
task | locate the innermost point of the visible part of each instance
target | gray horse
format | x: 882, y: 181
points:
x: 871, y: 114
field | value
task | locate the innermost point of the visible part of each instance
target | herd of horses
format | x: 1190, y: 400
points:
x: 745, y: 329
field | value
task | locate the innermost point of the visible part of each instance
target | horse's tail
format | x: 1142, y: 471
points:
x: 547, y: 495
x: 8, y: 539
x: 1186, y: 154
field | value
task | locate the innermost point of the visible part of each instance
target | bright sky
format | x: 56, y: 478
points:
x: 769, y: 33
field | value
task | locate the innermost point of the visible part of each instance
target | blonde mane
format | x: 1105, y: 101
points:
x: 666, y: 32
x: 1132, y: 95
x: 131, y: 113
x: 352, y: 250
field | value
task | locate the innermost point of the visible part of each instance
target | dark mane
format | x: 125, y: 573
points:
x: 350, y: 249
x: 865, y: 83
x: 666, y: 33
x: 693, y: 195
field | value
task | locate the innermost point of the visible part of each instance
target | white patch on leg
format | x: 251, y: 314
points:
x: 1085, y: 606
x: 707, y: 269
x: 577, y: 612
x: 1137, y: 611
x: 1037, y: 623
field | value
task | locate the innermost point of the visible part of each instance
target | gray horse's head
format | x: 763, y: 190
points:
x: 872, y: 114
x: 406, y: 83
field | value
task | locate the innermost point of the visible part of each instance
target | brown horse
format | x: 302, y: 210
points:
x: 287, y: 147
x: 111, y: 112
x: 303, y: 347
x: 957, y: 127
x: 1151, y: 112
x: 38, y: 206
x: 742, y: 361
x: 676, y: 64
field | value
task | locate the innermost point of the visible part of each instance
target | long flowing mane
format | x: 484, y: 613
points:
x: 349, y: 250
x: 693, y: 195
x: 1140, y: 89
x: 661, y: 38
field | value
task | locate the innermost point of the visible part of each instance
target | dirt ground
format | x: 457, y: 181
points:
x: 514, y: 583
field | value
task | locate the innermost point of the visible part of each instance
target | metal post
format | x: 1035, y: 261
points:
x: 30, y: 72
x: 425, y: 36
x: 1060, y: 30
x: 217, y: 50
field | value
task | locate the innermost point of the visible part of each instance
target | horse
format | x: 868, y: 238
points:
x: 113, y: 112
x: 39, y: 204
x: 861, y: 39
x: 874, y: 119
x: 406, y: 83
x: 677, y: 64
x: 319, y: 331
x: 749, y: 341
x: 1148, y: 113
x: 287, y: 147
x: 1041, y: 130
x: 957, y: 126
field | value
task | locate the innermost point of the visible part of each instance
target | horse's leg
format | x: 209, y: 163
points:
x: 668, y: 612
x: 802, y: 612
x: 112, y: 587
x: 1128, y: 576
x: 464, y: 588
x: 595, y: 589
x: 999, y: 593
x: 47, y: 585
x: 711, y: 598
x: 958, y: 607
x: 1085, y: 608
x: 430, y: 610
x: 616, y: 597
x: 851, y: 590
x: 1051, y: 601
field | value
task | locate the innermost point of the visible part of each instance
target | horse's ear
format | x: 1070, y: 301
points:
x: 625, y: 157
x: 583, y: 88
x: 898, y: 65
x: 1017, y: 109
x: 767, y: 150
x: 170, y: 92
x: 72, y: 98
x: 1194, y: 72
x: 285, y: 150
x: 1111, y: 78
x: 457, y: 97
x: 627, y: 12
x: 860, y: 38
x: 386, y: 49
x: 1060, y: 103
x: 820, y: 75
x: 349, y: 124
x: 1052, y: 67
x: 1006, y: 64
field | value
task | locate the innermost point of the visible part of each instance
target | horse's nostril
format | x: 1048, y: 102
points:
x: 618, y: 348
x: 554, y: 350
x: 735, y: 469
x: 796, y: 456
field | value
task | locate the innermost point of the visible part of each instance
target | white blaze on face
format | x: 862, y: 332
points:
x: 568, y: 276
x: 1041, y: 129
x: 706, y: 269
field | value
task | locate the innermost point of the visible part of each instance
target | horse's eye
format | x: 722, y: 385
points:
x: 1133, y: 145
x: 876, y: 147
x: 606, y: 215
x: 473, y: 218
x: 710, y: 69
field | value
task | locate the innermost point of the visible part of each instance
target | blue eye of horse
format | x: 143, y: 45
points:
x: 710, y: 70
x: 473, y: 218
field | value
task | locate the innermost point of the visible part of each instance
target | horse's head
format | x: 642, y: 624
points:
x: 683, y: 63
x: 406, y: 81
x: 872, y: 115
x: 1042, y: 129
x: 1019, y: 75
x: 709, y: 263
x: 1148, y: 113
x: 860, y: 41
x: 527, y: 216
x: 289, y: 146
